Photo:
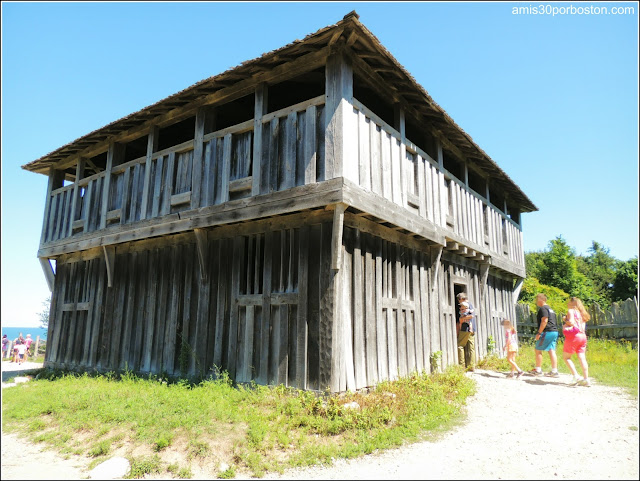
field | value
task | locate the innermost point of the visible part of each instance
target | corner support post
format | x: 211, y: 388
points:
x: 48, y: 272
x: 109, y: 258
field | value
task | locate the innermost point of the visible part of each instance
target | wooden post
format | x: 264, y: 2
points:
x: 226, y: 168
x: 400, y: 125
x: 114, y: 150
x: 339, y: 95
x: 74, y: 200
x: 197, y: 168
x: 48, y: 272
x: 56, y: 180
x: 152, y: 145
x: 260, y: 108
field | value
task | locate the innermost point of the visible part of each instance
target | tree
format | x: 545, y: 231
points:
x: 559, y: 270
x: 600, y: 268
x: 625, y: 281
x: 44, y: 314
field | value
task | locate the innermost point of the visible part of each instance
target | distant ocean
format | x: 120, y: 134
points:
x: 13, y: 332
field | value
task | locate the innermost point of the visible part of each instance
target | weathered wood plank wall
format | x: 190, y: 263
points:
x: 258, y: 314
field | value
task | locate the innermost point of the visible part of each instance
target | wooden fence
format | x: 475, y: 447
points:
x: 619, y: 322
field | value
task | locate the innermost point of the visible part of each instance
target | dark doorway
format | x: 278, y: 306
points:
x: 457, y: 289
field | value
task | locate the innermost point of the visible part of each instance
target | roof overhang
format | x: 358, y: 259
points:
x: 349, y: 34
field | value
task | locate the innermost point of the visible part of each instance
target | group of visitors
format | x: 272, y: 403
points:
x: 575, y: 338
x: 21, y: 348
x: 573, y: 329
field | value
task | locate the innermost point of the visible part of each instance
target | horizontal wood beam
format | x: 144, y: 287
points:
x: 247, y: 209
x: 390, y: 212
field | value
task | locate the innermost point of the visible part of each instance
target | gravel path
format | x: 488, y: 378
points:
x: 532, y: 428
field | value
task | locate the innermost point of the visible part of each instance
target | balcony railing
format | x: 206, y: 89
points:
x: 291, y: 154
x: 407, y: 176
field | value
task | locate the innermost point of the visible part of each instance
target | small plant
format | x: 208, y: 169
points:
x: 162, y: 442
x: 142, y: 466
x: 100, y: 449
x: 198, y: 449
x: 182, y: 473
x: 491, y: 345
x: 228, y: 473
x: 436, y: 361
x: 186, y: 353
x: 185, y: 473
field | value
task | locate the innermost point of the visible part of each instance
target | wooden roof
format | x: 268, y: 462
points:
x: 368, y: 56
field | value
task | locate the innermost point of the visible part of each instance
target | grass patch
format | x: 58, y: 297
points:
x: 610, y: 362
x: 144, y: 465
x: 249, y: 429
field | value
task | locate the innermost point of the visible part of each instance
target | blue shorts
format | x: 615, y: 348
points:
x: 547, y: 341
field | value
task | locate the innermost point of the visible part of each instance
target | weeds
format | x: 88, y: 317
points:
x: 264, y: 428
x: 144, y: 465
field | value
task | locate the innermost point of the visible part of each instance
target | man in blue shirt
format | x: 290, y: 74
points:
x: 466, y: 328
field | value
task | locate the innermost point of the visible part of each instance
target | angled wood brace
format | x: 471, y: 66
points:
x: 484, y: 275
x: 435, y: 265
x: 516, y: 290
x: 48, y: 272
x: 336, y: 236
x: 109, y: 259
x: 201, y: 244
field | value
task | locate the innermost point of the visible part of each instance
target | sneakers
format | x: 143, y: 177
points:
x: 520, y: 373
x: 510, y: 375
x: 575, y: 381
x: 585, y: 383
x: 535, y: 372
x: 552, y: 374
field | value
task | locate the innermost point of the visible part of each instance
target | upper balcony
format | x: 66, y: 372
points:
x: 329, y: 120
x: 230, y: 175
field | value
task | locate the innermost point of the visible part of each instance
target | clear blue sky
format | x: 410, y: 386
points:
x: 553, y: 99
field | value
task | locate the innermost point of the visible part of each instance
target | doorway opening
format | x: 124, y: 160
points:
x: 457, y: 289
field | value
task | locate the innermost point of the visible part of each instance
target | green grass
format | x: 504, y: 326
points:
x: 610, y: 362
x: 263, y: 428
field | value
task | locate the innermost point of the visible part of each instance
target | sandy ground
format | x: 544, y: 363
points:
x: 532, y: 428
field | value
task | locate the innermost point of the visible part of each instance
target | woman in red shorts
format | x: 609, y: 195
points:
x: 575, y: 339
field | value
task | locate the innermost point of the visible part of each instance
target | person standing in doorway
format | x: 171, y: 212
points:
x: 546, y: 337
x: 466, y: 328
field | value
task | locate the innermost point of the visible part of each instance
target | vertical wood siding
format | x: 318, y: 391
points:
x: 407, y: 176
x: 258, y: 315
x: 266, y: 310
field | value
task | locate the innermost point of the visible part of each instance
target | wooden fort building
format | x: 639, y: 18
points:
x: 305, y: 218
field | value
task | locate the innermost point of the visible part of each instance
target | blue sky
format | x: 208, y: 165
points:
x: 553, y: 99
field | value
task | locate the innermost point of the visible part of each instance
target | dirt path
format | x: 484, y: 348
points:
x: 531, y: 428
